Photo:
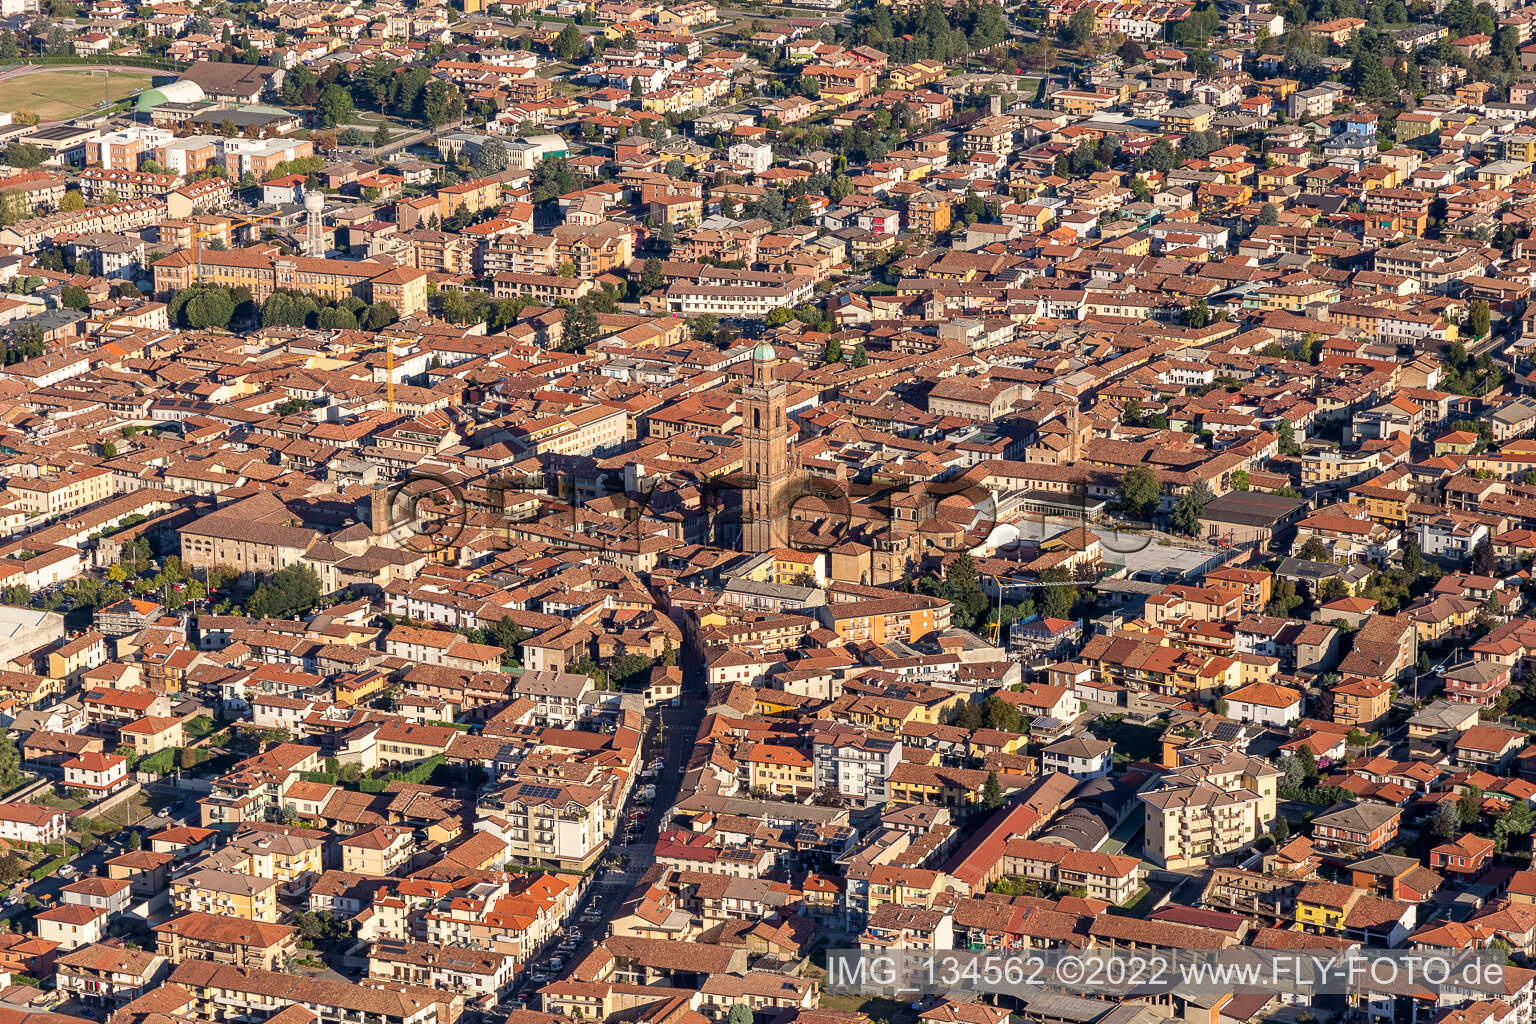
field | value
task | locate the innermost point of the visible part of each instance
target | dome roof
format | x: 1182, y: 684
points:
x: 764, y: 352
x: 182, y: 91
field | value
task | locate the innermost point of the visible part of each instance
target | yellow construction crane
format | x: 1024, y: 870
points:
x: 998, y: 582
x: 197, y: 237
x: 389, y: 368
x: 354, y: 350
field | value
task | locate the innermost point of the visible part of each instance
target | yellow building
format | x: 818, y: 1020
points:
x: 50, y: 494
x: 1361, y: 703
x: 380, y: 851
x: 228, y: 894
x: 1323, y: 906
x: 779, y: 770
x: 264, y: 270
x: 152, y: 734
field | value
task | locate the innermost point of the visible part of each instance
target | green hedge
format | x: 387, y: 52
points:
x: 157, y: 63
x: 414, y: 776
x: 42, y: 871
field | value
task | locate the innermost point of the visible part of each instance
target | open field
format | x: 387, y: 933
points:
x: 54, y: 95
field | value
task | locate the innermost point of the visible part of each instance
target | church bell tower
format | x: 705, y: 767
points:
x: 765, y: 519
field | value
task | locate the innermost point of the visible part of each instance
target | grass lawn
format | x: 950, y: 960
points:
x: 879, y: 1008
x: 52, y: 798
x: 53, y: 95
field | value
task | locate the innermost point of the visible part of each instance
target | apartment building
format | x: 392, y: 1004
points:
x: 478, y: 974
x: 220, y: 992
x: 856, y: 763
x: 227, y: 894
x: 263, y: 269
x: 1209, y: 806
x: 226, y: 940
x: 556, y: 826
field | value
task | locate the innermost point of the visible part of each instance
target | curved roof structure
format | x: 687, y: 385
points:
x: 181, y: 91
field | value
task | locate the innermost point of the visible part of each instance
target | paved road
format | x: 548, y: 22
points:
x: 610, y: 888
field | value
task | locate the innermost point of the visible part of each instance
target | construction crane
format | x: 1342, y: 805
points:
x: 998, y: 582
x: 197, y: 237
x: 389, y: 368
x: 355, y: 350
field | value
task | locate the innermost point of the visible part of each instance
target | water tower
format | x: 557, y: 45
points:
x: 314, y: 236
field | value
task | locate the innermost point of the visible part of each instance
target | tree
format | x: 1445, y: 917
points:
x: 1286, y: 438
x: 650, y: 276
x: 1413, y: 558
x: 74, y: 297
x: 1372, y: 79
x: 108, y: 450
x: 334, y: 106
x: 1190, y: 507
x: 442, y: 104
x: 1195, y: 146
x: 1447, y: 820
x: 1482, y: 561
x: 1331, y: 589
x: 834, y: 352
x: 1514, y: 821
x: 508, y: 635
x: 1199, y: 313
x: 24, y: 155
x: 1291, y: 774
x: 1079, y: 28
x: 741, y: 1013
x: 569, y: 45
x: 285, y: 593
x: 1477, y: 318
x: 202, y: 306
x: 1282, y: 829
x: 13, y: 208
x: 1139, y: 491
x: 1268, y: 215
x: 492, y: 157
x: 962, y: 588
x: 1469, y: 806
x: 10, y: 764
x: 1309, y: 773
x: 860, y: 357
x: 704, y: 326
x: 1161, y: 157
x: 1314, y: 549
x: 992, y: 793
x: 379, y: 316
x: 382, y: 137
x: 580, y: 328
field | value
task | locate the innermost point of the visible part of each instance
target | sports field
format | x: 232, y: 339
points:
x: 57, y: 94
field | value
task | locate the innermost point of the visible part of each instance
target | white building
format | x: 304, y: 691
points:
x: 1264, y: 704
x: 1448, y: 538
x: 1082, y: 757
x: 754, y: 156
x: 856, y: 763
x: 32, y: 823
